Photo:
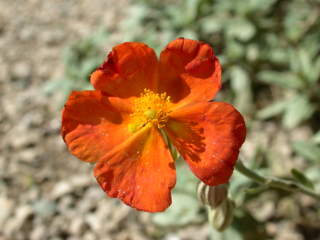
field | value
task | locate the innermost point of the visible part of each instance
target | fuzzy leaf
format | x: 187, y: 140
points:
x: 240, y: 84
x: 241, y: 29
x: 308, y: 150
x: 183, y: 210
x: 301, y: 178
x: 316, y: 137
x: 272, y: 110
x: 282, y: 79
x: 297, y: 110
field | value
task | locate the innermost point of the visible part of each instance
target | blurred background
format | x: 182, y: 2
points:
x: 269, y: 50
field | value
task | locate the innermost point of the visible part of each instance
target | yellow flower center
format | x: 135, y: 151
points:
x: 150, y: 108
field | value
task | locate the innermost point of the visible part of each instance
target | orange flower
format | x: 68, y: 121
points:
x: 137, y: 99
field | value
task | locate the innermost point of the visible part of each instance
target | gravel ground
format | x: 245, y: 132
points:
x: 45, y: 193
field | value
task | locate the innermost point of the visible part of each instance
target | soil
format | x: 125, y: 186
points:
x: 45, y: 192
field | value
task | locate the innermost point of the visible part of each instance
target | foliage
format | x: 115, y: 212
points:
x: 269, y: 50
x: 270, y: 53
x: 264, y: 45
x: 185, y: 208
x: 80, y: 59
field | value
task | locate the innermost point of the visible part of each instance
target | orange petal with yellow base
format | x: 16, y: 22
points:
x: 208, y: 135
x: 129, y: 68
x: 189, y: 71
x: 92, y: 124
x: 140, y: 171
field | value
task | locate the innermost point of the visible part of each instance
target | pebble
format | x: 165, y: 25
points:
x: 28, y: 155
x: 19, y: 138
x: 94, y: 193
x: 4, y: 72
x: 27, y: 33
x: 81, y: 181
x: 266, y: 211
x: 94, y: 222
x: 38, y: 233
x: 65, y: 203
x: 89, y: 236
x: 52, y: 36
x: 17, y: 221
x: 6, y: 206
x: 44, y: 208
x: 33, y: 119
x: 77, y: 226
x: 172, y: 237
x: 21, y: 70
x: 60, y: 189
x: 22, y: 213
x: 85, y: 206
x: 287, y: 231
x: 66, y: 187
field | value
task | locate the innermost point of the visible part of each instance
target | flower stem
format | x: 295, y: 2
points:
x: 273, y: 182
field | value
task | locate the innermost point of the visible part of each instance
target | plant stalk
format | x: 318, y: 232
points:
x: 273, y: 182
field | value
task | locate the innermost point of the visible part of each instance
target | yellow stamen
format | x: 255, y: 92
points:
x: 133, y: 127
x: 150, y: 108
x: 150, y: 114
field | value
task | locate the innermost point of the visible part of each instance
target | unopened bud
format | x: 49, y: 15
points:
x: 212, y: 195
x: 222, y: 216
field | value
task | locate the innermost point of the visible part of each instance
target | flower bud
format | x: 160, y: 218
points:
x: 212, y: 195
x: 222, y: 216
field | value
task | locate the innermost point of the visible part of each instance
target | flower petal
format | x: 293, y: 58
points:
x: 189, y: 71
x: 92, y: 124
x: 129, y: 68
x: 140, y: 172
x: 208, y: 135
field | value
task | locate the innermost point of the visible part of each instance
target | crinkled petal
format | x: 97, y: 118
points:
x: 93, y: 123
x: 140, y: 171
x: 129, y: 68
x: 189, y: 71
x: 208, y: 135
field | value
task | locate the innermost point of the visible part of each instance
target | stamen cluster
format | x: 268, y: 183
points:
x: 150, y: 108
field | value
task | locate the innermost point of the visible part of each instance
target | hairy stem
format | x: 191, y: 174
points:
x: 273, y: 182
